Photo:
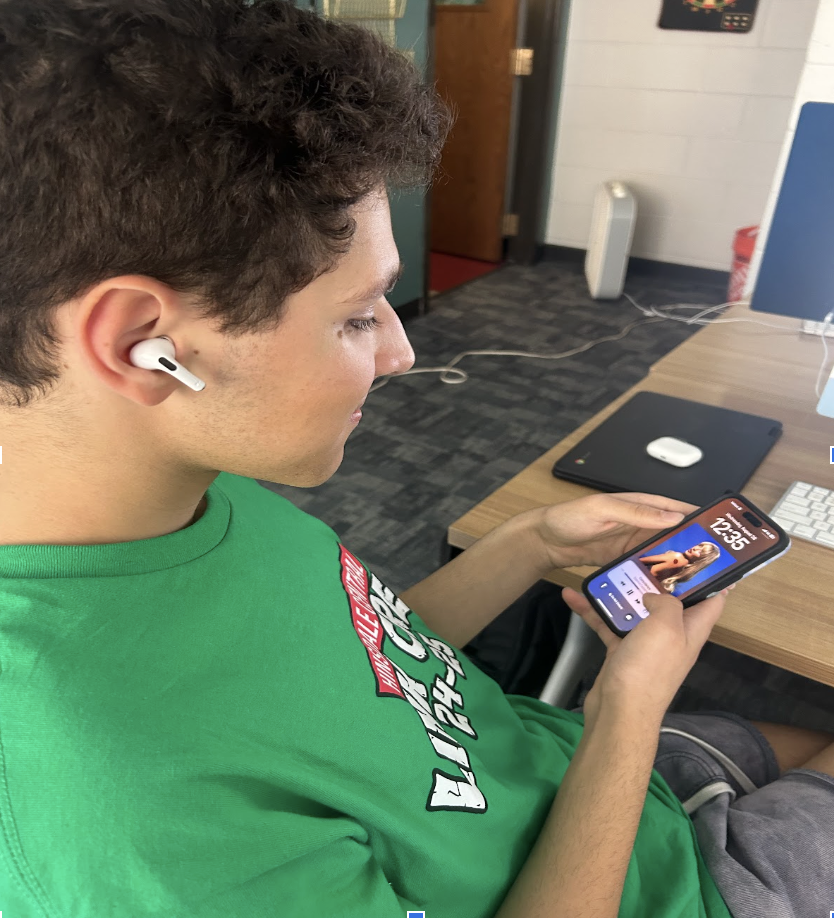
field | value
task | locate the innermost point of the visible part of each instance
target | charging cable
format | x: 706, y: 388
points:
x: 653, y: 314
x: 825, y: 323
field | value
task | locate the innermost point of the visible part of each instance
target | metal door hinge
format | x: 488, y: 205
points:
x: 521, y: 61
x: 509, y: 227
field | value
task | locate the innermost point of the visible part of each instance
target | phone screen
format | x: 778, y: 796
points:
x: 682, y: 561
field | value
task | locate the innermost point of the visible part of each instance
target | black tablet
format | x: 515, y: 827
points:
x: 613, y: 457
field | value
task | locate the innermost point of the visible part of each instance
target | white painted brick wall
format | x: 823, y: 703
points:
x: 693, y: 121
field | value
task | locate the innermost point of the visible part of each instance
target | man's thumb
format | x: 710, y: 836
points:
x: 654, y: 602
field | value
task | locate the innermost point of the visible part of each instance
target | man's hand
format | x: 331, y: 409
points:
x: 593, y: 531
x: 643, y: 671
x: 579, y: 863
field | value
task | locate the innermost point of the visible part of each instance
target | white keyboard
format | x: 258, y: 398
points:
x: 815, y: 328
x: 807, y: 511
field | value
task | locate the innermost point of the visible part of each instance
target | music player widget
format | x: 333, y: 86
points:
x: 681, y: 561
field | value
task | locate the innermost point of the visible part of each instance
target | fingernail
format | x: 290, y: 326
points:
x: 671, y: 515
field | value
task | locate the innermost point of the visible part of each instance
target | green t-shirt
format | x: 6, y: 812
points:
x: 238, y: 719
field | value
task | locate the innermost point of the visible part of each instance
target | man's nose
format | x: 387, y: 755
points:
x: 396, y: 354
x: 405, y: 357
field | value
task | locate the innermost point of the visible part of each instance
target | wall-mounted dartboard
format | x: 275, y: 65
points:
x: 708, y: 15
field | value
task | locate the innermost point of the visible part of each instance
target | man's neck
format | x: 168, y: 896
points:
x: 201, y: 509
x: 97, y: 474
x: 72, y: 502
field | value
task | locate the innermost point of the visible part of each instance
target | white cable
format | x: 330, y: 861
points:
x: 826, y: 322
x: 464, y: 376
x: 655, y: 316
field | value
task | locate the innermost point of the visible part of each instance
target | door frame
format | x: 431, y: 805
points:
x: 538, y: 93
x: 424, y: 305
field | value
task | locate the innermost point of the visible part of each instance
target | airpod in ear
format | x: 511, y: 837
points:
x: 159, y: 354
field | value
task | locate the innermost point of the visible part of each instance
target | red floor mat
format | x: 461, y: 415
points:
x: 447, y: 271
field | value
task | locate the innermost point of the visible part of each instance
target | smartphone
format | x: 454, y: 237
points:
x: 712, y: 548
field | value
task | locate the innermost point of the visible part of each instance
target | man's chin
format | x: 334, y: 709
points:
x: 316, y: 474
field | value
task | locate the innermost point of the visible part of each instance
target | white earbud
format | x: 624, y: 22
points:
x: 158, y: 354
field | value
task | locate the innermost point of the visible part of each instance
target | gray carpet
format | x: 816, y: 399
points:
x: 426, y: 452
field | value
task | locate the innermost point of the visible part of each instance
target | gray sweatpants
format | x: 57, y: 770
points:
x: 768, y: 841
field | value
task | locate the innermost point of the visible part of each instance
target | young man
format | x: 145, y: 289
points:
x: 208, y: 705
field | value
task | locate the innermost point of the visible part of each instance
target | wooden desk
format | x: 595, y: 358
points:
x: 783, y: 614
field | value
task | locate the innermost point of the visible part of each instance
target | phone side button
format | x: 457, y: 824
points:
x: 757, y: 568
x: 713, y: 594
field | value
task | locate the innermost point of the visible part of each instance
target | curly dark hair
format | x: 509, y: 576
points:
x: 214, y: 145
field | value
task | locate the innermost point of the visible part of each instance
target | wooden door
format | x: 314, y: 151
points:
x: 472, y: 69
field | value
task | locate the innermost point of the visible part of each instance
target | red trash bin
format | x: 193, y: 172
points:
x: 743, y: 246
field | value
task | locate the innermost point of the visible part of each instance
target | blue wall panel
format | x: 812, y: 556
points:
x: 408, y: 208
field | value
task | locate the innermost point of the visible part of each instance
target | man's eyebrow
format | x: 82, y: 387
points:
x: 372, y: 295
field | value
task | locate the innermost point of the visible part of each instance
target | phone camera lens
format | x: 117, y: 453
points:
x: 752, y: 519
